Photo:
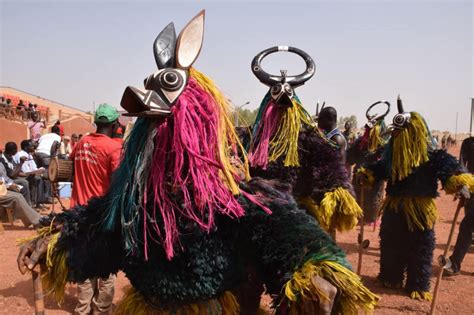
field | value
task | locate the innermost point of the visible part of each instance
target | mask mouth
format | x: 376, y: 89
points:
x: 284, y: 100
x: 144, y: 103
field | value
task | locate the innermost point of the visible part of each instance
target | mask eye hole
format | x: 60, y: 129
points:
x: 170, y: 80
x: 400, y: 120
x: 276, y: 89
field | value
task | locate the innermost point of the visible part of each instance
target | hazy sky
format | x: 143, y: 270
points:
x: 83, y: 52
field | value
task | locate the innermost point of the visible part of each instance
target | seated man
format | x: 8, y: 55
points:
x: 40, y: 188
x: 14, y: 200
x: 13, y: 170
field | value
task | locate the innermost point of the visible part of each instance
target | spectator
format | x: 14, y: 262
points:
x: 327, y: 122
x: 349, y: 133
x: 40, y: 189
x: 74, y: 140
x: 466, y: 228
x: 65, y: 148
x: 80, y: 136
x: 443, y: 142
x: 95, y: 157
x: 118, y: 134
x: 47, y: 146
x: 14, y: 200
x: 35, y: 126
x: 13, y: 170
x: 61, y: 128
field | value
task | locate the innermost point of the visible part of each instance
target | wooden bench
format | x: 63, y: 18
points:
x: 10, y: 219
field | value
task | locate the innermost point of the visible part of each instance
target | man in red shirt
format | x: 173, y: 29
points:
x: 96, y: 156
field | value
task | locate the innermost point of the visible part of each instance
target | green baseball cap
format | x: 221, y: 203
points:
x: 106, y: 113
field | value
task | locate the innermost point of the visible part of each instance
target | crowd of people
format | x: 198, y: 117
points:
x: 21, y: 110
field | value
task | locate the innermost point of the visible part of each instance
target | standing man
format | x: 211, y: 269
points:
x: 35, y: 126
x: 349, y: 133
x: 327, y: 122
x: 96, y: 156
x: 466, y: 228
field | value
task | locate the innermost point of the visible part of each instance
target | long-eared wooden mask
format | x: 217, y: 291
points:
x: 174, y: 56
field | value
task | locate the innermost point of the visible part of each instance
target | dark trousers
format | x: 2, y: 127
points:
x: 43, y: 159
x: 25, y: 190
x: 40, y: 189
x: 404, y: 250
x: 464, y: 237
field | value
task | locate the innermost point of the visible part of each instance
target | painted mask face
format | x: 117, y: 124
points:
x: 174, y: 56
x: 402, y: 119
x: 282, y: 86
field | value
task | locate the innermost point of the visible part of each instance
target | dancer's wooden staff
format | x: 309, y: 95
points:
x: 38, y: 290
x: 362, y: 223
x: 445, y: 254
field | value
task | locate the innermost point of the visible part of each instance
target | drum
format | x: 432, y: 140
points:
x: 61, y: 170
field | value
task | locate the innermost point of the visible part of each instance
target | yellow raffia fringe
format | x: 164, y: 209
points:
x: 421, y: 295
x: 232, y: 167
x: 410, y: 148
x: 285, y: 140
x: 338, y: 210
x: 54, y: 273
x: 375, y: 138
x: 353, y: 294
x: 366, y: 176
x: 420, y: 212
x: 455, y: 183
x: 135, y: 304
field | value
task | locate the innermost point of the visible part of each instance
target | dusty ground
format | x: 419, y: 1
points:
x: 16, y: 293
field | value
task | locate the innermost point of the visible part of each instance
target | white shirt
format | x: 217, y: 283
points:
x: 46, y: 142
x: 29, y: 165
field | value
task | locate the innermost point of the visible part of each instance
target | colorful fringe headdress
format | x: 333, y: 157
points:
x: 281, y: 115
x: 181, y: 157
x: 410, y: 143
x: 276, y: 131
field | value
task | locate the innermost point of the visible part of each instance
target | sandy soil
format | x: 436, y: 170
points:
x: 16, y: 292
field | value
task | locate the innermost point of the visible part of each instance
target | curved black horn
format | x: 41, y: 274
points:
x: 164, y: 47
x: 400, y: 105
x: 270, y: 80
x: 381, y: 116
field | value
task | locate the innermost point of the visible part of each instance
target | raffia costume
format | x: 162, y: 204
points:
x: 182, y: 218
x: 286, y: 145
x: 412, y: 170
x: 366, y: 150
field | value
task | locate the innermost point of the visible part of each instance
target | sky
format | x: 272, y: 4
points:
x: 85, y: 52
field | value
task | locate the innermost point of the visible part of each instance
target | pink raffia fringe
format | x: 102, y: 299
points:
x: 258, y: 156
x: 185, y: 167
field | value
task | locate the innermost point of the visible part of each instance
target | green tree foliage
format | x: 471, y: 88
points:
x: 246, y: 117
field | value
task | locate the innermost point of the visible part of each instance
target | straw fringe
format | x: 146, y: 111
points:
x: 420, y: 212
x: 135, y: 304
x: 456, y: 182
x: 410, y: 148
x: 338, y: 210
x: 354, y: 296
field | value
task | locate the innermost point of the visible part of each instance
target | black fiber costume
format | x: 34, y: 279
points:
x: 182, y: 253
x: 407, y: 237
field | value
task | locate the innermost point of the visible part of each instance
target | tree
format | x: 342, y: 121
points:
x: 246, y: 117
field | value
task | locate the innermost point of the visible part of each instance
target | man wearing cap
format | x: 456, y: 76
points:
x: 95, y: 158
